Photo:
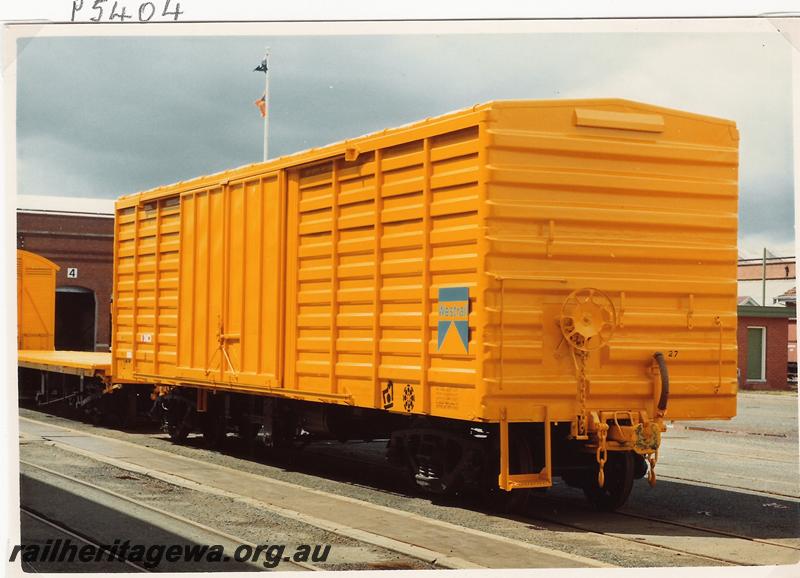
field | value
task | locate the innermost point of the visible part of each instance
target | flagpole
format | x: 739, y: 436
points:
x: 266, y: 105
x: 764, y: 279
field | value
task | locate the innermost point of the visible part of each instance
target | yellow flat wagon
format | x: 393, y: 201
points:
x: 48, y: 376
x: 517, y: 262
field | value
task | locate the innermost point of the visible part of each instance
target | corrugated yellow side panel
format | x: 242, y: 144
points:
x: 636, y: 201
x: 36, y: 301
x: 370, y: 242
x: 145, y: 307
x: 264, y: 279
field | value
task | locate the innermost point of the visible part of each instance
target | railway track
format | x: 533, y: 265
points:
x: 711, y: 531
x: 609, y: 519
x: 72, y: 533
x: 781, y: 495
x: 429, y: 540
x: 561, y: 502
x: 202, y: 528
x: 583, y: 519
x: 590, y: 515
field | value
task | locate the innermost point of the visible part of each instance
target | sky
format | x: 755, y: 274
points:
x: 106, y: 116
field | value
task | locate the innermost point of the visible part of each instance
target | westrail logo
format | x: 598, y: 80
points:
x: 454, y: 312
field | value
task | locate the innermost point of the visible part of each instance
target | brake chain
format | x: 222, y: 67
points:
x: 579, y: 357
x: 602, y: 452
x: 652, y: 458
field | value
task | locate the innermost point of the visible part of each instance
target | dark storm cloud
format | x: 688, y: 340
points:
x: 131, y: 114
x: 108, y: 116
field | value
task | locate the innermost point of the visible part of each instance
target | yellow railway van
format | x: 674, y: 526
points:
x: 36, y: 301
x: 512, y: 292
x: 48, y: 376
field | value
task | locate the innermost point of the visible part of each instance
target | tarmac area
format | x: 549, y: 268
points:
x: 728, y: 493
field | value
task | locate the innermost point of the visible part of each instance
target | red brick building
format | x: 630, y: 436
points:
x: 78, y: 235
x: 789, y: 299
x: 763, y: 346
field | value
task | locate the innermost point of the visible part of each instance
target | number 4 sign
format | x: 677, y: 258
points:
x: 72, y: 272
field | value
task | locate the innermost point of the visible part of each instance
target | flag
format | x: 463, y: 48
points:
x: 261, y: 103
x: 261, y: 67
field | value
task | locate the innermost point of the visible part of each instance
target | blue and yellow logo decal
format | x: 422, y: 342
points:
x: 453, y: 312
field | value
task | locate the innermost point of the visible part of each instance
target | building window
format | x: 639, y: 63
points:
x: 756, y: 354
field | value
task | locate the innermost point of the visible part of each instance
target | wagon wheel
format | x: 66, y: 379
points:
x: 619, y: 473
x: 214, y: 430
x: 213, y: 423
x: 177, y: 419
x: 588, y: 319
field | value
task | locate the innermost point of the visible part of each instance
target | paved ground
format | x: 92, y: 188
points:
x: 771, y: 414
x: 757, y: 450
x: 97, y: 514
x: 450, y: 545
x: 739, y: 477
